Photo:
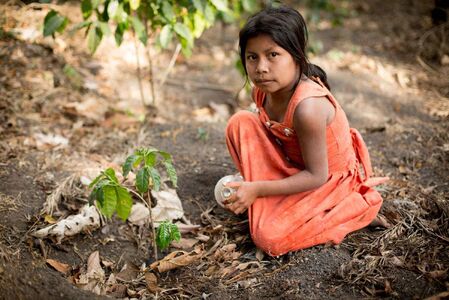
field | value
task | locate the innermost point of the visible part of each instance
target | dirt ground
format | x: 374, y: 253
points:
x: 388, y: 67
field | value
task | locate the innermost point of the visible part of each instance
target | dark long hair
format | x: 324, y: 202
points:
x: 287, y: 28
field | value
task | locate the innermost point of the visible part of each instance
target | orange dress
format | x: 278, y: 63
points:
x: 267, y: 150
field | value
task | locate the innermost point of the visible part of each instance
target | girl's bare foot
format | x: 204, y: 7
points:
x: 381, y: 221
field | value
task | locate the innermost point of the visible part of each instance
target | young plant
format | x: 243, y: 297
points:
x: 111, y: 196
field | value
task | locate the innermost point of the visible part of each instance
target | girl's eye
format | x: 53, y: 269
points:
x: 251, y: 57
x: 274, y: 54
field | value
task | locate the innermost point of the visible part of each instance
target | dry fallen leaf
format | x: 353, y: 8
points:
x: 184, y: 243
x: 128, y: 272
x: 175, y: 260
x: 168, y: 207
x: 151, y: 280
x: 58, y: 266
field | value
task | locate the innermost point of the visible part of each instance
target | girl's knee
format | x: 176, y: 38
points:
x: 242, y: 119
x: 269, y: 241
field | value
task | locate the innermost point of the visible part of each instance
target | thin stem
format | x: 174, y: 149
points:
x: 152, y: 227
x: 150, y: 64
x: 170, y: 65
x: 148, y: 204
x: 139, y: 76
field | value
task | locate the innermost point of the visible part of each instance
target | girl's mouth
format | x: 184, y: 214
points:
x: 263, y: 81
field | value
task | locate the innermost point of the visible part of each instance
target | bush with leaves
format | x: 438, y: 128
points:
x: 185, y: 19
x: 112, y: 196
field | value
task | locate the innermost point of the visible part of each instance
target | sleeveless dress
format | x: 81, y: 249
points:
x: 263, y: 149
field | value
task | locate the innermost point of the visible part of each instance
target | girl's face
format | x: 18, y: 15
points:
x: 270, y: 67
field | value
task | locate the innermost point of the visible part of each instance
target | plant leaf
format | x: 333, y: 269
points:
x: 80, y: 25
x: 104, y: 28
x: 175, y: 235
x: 140, y: 30
x: 155, y: 178
x: 112, y: 8
x: 110, y: 201
x: 119, y: 31
x: 129, y: 164
x: 150, y: 159
x: 95, y: 3
x: 134, y: 4
x: 142, y: 179
x: 221, y: 5
x: 171, y: 171
x: 182, y: 31
x: 86, y: 8
x: 94, y: 37
x: 163, y: 235
x: 165, y: 36
x: 167, y: 11
x: 198, y: 5
x: 94, y: 182
x: 249, y: 5
x: 54, y: 22
x: 199, y: 24
x: 110, y: 174
x: 124, y: 202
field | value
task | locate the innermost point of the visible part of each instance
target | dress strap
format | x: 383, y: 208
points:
x: 306, y: 88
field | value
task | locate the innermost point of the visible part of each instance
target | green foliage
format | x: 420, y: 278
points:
x: 111, y: 196
x: 54, y: 22
x: 337, y: 10
x: 144, y: 161
x: 185, y: 20
x: 202, y: 134
x: 166, y: 233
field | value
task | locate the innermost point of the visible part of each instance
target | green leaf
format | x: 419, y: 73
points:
x: 221, y: 5
x: 166, y: 233
x: 104, y: 28
x: 94, y: 37
x: 109, y: 204
x: 182, y: 31
x: 198, y: 5
x: 96, y: 180
x: 54, y: 22
x: 199, y: 24
x: 171, y: 171
x: 80, y: 25
x: 167, y: 11
x: 95, y: 3
x: 209, y: 14
x: 163, y: 235
x: 134, y: 4
x: 175, y: 235
x: 119, y: 31
x: 124, y: 202
x: 165, y: 36
x: 150, y: 159
x: 155, y: 178
x: 112, y: 8
x: 249, y: 5
x: 86, y: 8
x: 142, y: 179
x: 110, y: 174
x: 140, y: 30
x: 129, y: 164
x: 120, y: 14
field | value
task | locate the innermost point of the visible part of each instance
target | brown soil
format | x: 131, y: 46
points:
x: 399, y: 104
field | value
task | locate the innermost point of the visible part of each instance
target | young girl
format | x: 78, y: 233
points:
x: 307, y: 173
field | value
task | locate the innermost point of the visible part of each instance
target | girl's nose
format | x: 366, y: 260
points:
x: 262, y: 66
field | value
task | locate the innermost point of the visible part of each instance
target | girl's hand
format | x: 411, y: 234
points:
x: 246, y: 193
